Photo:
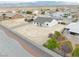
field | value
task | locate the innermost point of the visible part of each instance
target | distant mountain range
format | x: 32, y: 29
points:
x: 38, y: 3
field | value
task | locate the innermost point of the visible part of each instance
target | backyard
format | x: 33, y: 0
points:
x: 35, y: 33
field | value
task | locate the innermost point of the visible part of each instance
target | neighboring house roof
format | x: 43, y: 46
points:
x: 57, y: 15
x: 73, y: 27
x: 42, y: 20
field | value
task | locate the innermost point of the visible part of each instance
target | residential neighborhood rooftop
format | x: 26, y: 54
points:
x: 39, y: 31
x: 42, y: 20
x: 73, y: 27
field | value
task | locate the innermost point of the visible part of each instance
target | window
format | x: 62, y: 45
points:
x: 72, y: 33
x: 47, y: 24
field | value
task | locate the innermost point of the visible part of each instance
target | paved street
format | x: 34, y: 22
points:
x: 38, y: 35
x: 29, y: 47
x: 9, y: 47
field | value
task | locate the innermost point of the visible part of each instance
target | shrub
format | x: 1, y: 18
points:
x: 29, y: 12
x: 57, y: 34
x: 50, y: 35
x: 25, y: 19
x: 51, y: 44
x: 66, y: 46
x: 75, y: 52
x: 61, y: 38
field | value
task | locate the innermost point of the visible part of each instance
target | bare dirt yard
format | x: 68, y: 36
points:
x: 37, y: 34
x: 12, y: 22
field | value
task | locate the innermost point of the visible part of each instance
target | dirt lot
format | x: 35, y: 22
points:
x: 37, y: 34
x: 12, y: 22
x: 33, y: 32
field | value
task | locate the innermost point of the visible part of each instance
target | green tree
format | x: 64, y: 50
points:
x: 29, y: 12
x: 51, y: 44
x: 57, y: 34
x: 75, y: 52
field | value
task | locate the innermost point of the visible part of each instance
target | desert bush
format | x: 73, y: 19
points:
x: 29, y: 12
x: 50, y: 35
x: 75, y: 52
x: 66, y: 46
x: 51, y: 44
x: 57, y: 34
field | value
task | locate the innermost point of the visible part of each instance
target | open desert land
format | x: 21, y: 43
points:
x: 35, y: 33
x: 12, y: 23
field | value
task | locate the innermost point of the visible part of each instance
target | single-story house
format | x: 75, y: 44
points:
x: 29, y: 18
x: 45, y: 21
x: 73, y: 28
x: 57, y: 15
x: 36, y: 12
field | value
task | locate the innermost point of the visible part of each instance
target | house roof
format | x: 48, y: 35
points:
x: 73, y: 27
x: 42, y: 20
x: 57, y: 15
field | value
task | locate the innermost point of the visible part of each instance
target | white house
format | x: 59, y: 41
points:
x: 57, y: 15
x: 73, y: 28
x: 36, y: 12
x: 45, y: 21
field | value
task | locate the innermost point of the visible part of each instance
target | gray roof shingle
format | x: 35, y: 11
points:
x: 42, y: 20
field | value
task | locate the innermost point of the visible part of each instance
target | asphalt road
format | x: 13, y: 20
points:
x: 9, y: 47
x: 29, y: 47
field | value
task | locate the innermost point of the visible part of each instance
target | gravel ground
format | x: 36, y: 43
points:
x: 37, y: 34
x: 12, y: 22
x: 33, y: 32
